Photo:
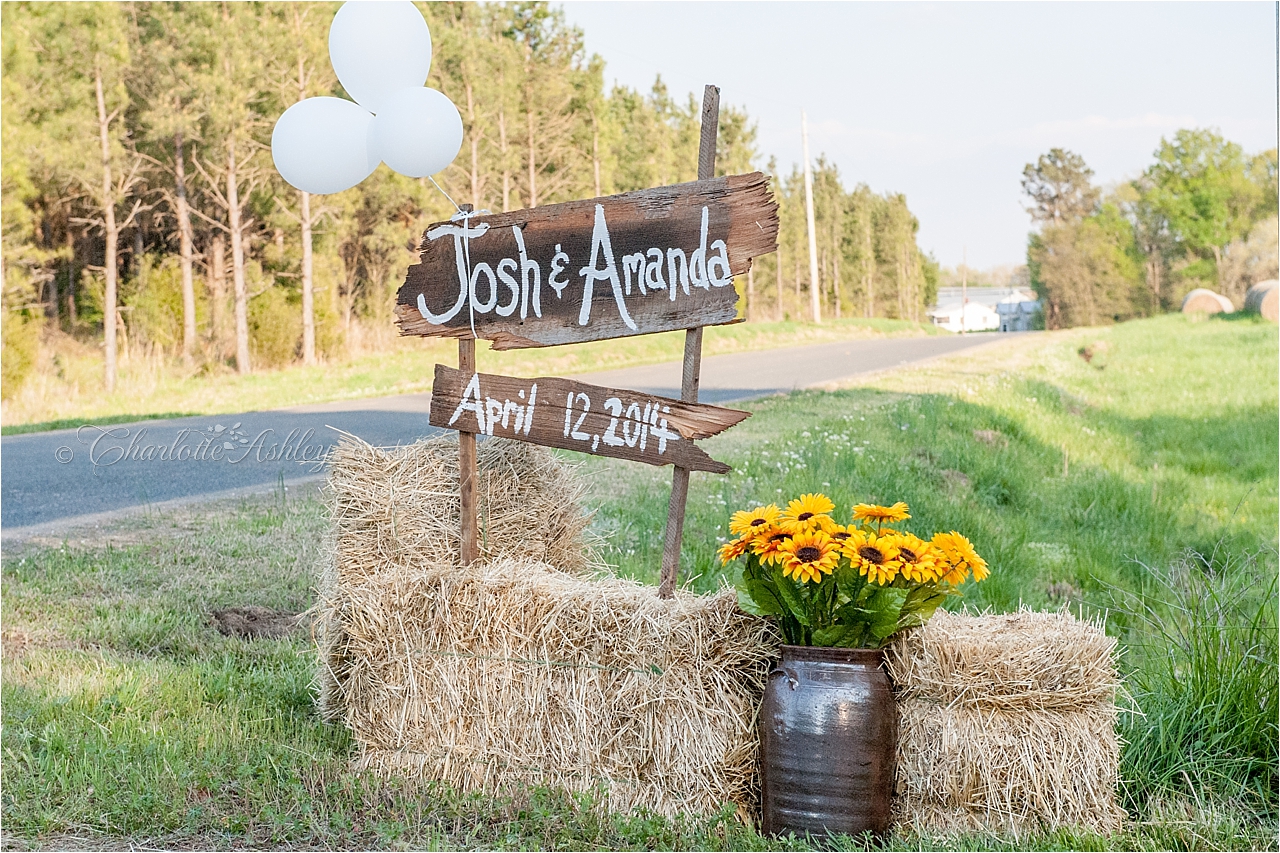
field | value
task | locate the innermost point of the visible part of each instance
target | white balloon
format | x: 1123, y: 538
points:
x: 323, y: 145
x: 378, y: 47
x: 418, y: 132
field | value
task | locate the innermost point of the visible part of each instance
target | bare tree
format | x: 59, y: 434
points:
x: 106, y: 196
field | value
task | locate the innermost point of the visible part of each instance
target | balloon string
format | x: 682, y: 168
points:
x: 466, y: 254
x: 465, y: 216
x: 443, y: 193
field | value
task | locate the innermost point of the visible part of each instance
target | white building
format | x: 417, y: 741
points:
x: 987, y: 309
x: 969, y: 317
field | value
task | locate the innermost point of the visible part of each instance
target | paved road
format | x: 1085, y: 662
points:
x: 52, y: 479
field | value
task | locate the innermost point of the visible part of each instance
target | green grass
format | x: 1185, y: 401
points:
x: 129, y: 720
x: 159, y: 388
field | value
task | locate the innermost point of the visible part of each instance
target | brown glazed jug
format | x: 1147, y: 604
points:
x: 828, y: 732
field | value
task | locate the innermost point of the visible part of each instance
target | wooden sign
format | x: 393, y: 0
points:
x: 571, y: 415
x: 655, y: 260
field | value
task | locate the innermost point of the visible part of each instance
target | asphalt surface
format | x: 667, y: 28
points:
x: 70, y: 477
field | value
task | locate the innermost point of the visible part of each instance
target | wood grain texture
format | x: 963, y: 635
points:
x: 597, y: 420
x: 691, y: 375
x: 740, y: 210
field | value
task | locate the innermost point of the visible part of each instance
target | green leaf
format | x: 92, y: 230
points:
x: 917, y: 612
x: 885, y: 609
x: 791, y: 631
x: 831, y: 636
x: 848, y: 579
x: 792, y: 598
x: 763, y: 600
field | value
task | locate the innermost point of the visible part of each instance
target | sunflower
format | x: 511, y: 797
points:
x: 920, y: 561
x: 767, y: 546
x: 752, y: 522
x: 808, y: 512
x: 874, y: 556
x: 881, y: 514
x: 839, y: 532
x: 734, y: 549
x: 960, y: 556
x: 807, y: 556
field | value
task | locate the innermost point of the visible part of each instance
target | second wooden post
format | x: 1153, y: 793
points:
x: 692, y: 366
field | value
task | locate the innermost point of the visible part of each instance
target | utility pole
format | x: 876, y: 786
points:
x: 964, y: 288
x: 808, y: 215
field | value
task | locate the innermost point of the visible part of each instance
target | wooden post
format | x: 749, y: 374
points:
x: 692, y: 366
x: 467, y: 460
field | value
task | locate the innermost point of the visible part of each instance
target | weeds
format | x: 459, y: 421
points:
x: 1205, y: 674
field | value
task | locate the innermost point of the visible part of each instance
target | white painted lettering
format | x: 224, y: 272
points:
x: 487, y: 271
x: 601, y: 252
x: 470, y: 403
x: 510, y: 282
x: 527, y: 268
x: 559, y: 262
x: 633, y: 264
x: 677, y: 268
x: 653, y: 272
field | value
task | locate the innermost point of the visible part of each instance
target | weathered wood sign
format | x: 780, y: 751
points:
x: 571, y: 415
x: 655, y: 260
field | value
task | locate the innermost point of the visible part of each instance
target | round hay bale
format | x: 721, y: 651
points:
x: 1264, y: 298
x: 1204, y: 301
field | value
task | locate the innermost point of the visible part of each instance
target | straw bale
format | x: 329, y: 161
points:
x: 1020, y: 660
x: 394, y: 508
x: 1205, y: 301
x: 966, y: 767
x: 1264, y: 298
x: 1006, y: 724
x: 389, y: 506
x: 514, y: 673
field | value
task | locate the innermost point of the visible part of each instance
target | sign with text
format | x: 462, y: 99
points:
x: 655, y: 260
x: 572, y: 415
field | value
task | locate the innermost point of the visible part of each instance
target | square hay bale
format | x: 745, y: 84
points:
x: 514, y: 672
x: 1007, y: 724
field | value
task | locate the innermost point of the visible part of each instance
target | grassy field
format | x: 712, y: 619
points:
x: 67, y: 392
x: 1141, y: 482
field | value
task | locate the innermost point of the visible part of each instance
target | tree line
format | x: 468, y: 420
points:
x: 141, y: 209
x: 869, y: 264
x: 1202, y: 214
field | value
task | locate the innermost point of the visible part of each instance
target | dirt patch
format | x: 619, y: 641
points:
x: 991, y: 437
x: 253, y: 622
x: 957, y: 481
x: 1061, y: 592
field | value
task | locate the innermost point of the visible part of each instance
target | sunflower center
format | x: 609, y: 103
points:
x: 871, y: 554
x: 908, y: 555
x: 756, y: 522
x: 804, y: 516
x: 779, y: 537
x: 808, y: 554
x: 840, y: 534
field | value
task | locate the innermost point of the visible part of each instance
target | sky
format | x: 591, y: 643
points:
x: 947, y: 102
